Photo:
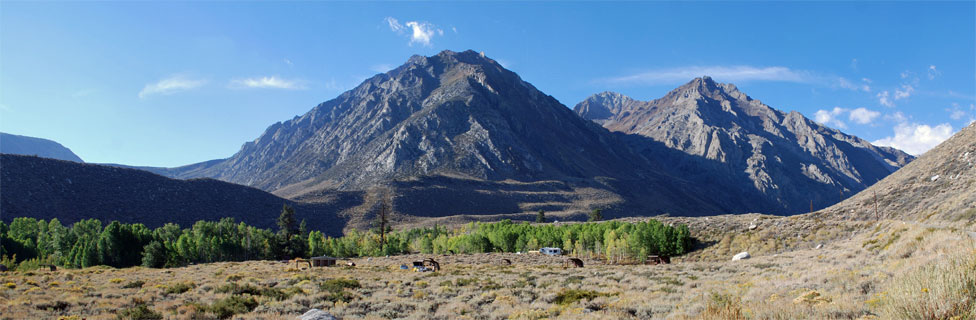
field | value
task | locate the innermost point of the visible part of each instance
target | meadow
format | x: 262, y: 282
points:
x: 845, y: 270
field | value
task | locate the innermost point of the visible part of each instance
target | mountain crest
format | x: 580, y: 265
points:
x: 783, y: 157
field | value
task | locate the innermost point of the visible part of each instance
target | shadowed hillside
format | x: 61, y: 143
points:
x: 46, y: 189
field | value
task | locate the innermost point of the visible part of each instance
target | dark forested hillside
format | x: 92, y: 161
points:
x: 47, y: 188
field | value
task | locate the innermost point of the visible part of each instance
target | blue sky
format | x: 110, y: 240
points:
x: 168, y: 84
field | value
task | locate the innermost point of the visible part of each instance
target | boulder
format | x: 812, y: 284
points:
x: 741, y: 255
x: 316, y: 314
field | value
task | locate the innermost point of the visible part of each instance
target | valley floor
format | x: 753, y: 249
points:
x: 862, y: 270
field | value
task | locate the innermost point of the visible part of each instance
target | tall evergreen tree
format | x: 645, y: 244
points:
x: 286, y: 221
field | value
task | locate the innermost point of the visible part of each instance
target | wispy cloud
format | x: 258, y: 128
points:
x: 904, y: 92
x: 171, y: 85
x: 933, y: 72
x: 421, y: 32
x: 916, y: 138
x: 743, y: 73
x: 884, y: 100
x: 721, y: 73
x: 380, y: 68
x: 848, y: 84
x: 272, y: 82
x: 956, y: 112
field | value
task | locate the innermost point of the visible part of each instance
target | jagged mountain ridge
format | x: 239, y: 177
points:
x: 714, y: 133
x: 31, y: 146
x: 48, y: 188
x: 457, y: 119
x: 453, y: 113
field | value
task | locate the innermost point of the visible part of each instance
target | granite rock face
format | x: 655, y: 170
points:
x: 713, y: 133
x: 456, y: 119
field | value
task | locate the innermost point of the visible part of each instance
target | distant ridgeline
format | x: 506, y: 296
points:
x: 29, y: 243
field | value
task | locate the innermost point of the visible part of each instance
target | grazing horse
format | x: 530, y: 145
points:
x: 431, y: 263
x: 574, y: 262
x: 506, y: 262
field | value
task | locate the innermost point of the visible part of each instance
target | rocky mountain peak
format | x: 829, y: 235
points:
x: 783, y: 157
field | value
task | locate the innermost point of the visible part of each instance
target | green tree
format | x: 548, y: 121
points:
x: 541, y: 217
x: 286, y: 221
x: 596, y: 215
x: 154, y: 255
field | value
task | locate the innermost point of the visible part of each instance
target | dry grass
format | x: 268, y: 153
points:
x: 845, y: 279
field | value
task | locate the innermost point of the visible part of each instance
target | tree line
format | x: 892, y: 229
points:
x: 31, y: 242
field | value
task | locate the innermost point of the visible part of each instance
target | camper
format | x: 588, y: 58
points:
x: 551, y: 251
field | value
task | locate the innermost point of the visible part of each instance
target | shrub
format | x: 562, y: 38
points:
x: 134, y: 284
x: 333, y: 285
x: 335, y: 289
x: 139, y: 312
x: 236, y: 289
x: 944, y: 289
x: 228, y: 307
x: 180, y: 287
x: 571, y: 296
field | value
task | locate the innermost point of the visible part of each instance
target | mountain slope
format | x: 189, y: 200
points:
x: 461, y: 120
x: 453, y: 113
x: 15, y: 144
x: 713, y: 133
x: 47, y: 188
x: 939, y: 187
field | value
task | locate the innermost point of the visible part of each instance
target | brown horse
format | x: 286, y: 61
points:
x: 506, y: 262
x: 431, y: 263
x: 574, y: 262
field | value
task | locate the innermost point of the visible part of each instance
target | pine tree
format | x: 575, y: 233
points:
x: 541, y: 217
x: 286, y: 221
x: 383, y: 222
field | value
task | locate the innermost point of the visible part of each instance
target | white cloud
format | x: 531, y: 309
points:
x: 897, y: 117
x: 863, y: 115
x: 905, y: 92
x: 171, y: 85
x: 956, y: 112
x: 394, y: 24
x: 421, y: 32
x: 266, y: 82
x: 916, y: 138
x: 720, y: 73
x: 883, y: 99
x: 933, y: 72
x: 288, y: 62
x: 831, y: 118
x: 848, y: 84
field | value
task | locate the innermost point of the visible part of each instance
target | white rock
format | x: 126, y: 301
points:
x: 316, y: 314
x: 741, y: 255
x: 935, y: 177
x: 819, y: 246
x: 753, y: 227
